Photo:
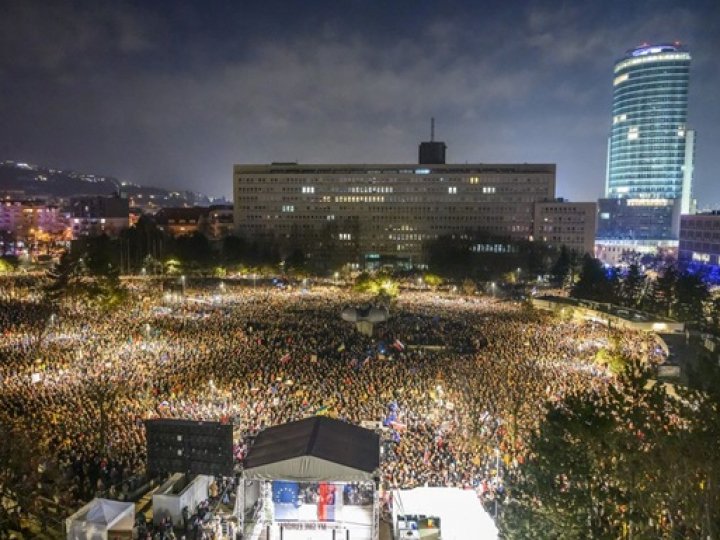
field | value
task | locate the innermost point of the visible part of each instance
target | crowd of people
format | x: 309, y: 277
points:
x: 453, y: 415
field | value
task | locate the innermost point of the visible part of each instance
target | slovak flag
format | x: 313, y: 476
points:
x: 397, y: 344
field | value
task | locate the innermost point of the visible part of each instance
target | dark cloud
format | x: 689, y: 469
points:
x: 174, y: 94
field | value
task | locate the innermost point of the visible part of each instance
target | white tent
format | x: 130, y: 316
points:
x: 101, y: 519
x: 462, y: 516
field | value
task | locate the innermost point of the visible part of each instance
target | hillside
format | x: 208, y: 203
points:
x: 33, y: 181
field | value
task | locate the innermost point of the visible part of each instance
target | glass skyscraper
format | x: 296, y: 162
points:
x: 650, y: 150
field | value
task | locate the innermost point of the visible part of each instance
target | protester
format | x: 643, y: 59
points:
x: 458, y: 383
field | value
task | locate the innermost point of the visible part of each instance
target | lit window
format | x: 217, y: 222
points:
x: 345, y: 236
x: 288, y: 208
x: 488, y: 189
x: 620, y: 79
x: 474, y: 180
x: 331, y: 218
x: 633, y: 133
x: 308, y: 189
x: 452, y: 190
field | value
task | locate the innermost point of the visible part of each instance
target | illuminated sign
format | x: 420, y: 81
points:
x: 650, y: 202
x: 700, y: 257
x: 653, y: 50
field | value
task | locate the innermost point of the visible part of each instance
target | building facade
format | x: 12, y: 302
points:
x: 650, y: 149
x: 388, y: 211
x: 181, y: 221
x: 94, y: 216
x: 26, y: 224
x: 700, y: 239
x: 220, y: 221
x: 566, y: 223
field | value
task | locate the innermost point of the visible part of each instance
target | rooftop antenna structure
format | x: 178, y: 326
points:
x: 432, y: 152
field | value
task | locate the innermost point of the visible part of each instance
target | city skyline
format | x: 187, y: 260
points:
x: 174, y: 96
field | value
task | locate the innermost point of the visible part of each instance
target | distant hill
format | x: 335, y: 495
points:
x: 33, y: 181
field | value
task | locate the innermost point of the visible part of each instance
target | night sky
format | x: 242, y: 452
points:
x: 172, y: 93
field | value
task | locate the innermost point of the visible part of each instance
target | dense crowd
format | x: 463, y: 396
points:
x: 458, y: 384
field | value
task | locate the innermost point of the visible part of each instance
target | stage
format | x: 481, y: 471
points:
x: 317, y: 479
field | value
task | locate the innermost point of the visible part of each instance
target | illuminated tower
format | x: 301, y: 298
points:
x: 650, y: 151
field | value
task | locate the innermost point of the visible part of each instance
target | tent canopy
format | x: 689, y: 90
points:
x: 461, y: 513
x: 95, y: 519
x: 315, y: 449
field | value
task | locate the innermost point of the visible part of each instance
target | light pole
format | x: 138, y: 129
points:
x: 254, y: 280
x: 336, y: 275
x: 492, y: 288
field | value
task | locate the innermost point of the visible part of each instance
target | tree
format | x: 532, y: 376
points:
x: 560, y: 487
x: 632, y: 287
x: 469, y: 287
x: 561, y: 269
x: 5, y: 266
x: 234, y: 250
x: 612, y: 356
x: 596, y: 282
x: 100, y: 256
x: 66, y: 281
x: 296, y: 260
x: 700, y: 500
x: 691, y: 294
x: 432, y: 280
x: 142, y: 240
x: 194, y: 250
x: 665, y: 290
x: 629, y: 462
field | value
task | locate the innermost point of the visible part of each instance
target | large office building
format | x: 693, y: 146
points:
x: 369, y: 212
x: 650, y: 149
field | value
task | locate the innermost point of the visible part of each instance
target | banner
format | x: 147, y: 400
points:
x: 285, y: 492
x: 326, y: 502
